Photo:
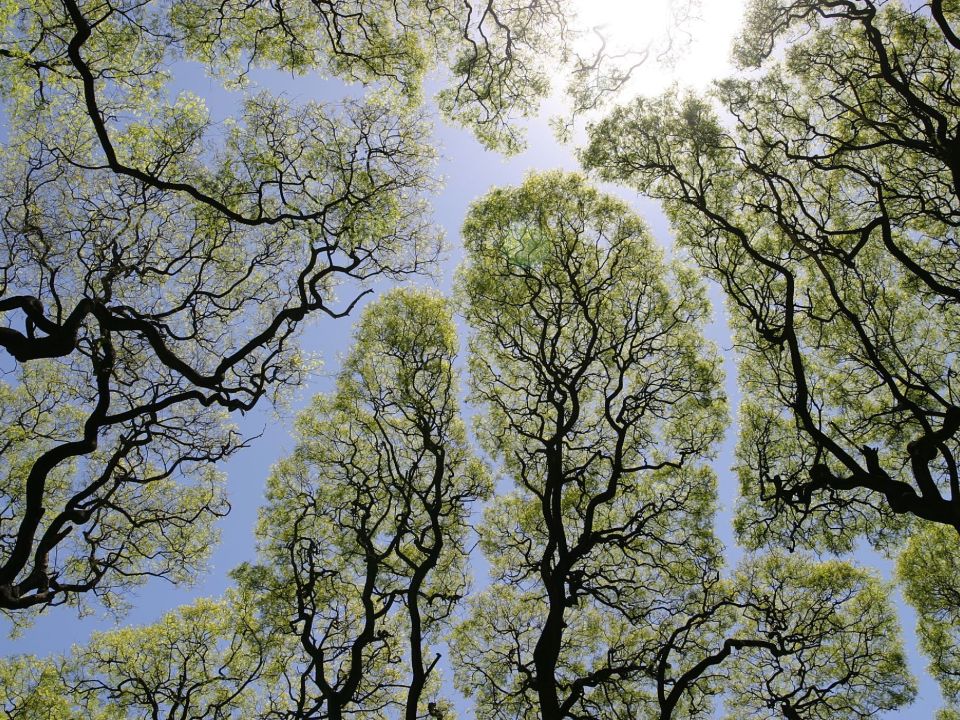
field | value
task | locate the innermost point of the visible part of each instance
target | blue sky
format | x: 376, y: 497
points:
x: 469, y: 172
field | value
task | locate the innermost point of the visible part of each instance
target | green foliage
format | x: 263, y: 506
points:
x: 602, y: 404
x: 821, y: 193
x: 363, y: 537
x: 167, y: 527
x: 834, y: 642
x: 158, y: 265
x: 826, y: 218
x: 496, y: 55
x: 202, y: 660
x: 32, y: 689
x: 562, y: 277
x: 156, y: 271
x: 928, y: 569
x: 601, y: 400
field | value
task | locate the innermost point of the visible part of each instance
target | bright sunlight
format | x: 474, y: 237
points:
x: 691, y: 38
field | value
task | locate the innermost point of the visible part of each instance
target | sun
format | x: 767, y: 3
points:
x: 699, y: 34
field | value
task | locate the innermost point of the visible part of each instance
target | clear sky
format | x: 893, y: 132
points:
x: 469, y: 172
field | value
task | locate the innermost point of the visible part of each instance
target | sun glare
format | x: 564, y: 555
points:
x: 701, y: 32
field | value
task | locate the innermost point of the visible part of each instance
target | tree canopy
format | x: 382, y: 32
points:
x: 602, y: 403
x: 161, y: 259
x: 820, y: 191
x: 158, y: 262
x: 827, y: 212
x: 363, y: 537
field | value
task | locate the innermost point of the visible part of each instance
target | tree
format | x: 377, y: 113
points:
x: 32, y: 689
x: 203, y: 660
x: 825, y: 204
x: 158, y: 263
x: 162, y: 312
x: 495, y: 52
x: 157, y: 266
x: 160, y: 281
x: 927, y: 569
x: 602, y: 404
x: 600, y: 407
x: 805, y: 639
x: 362, y: 541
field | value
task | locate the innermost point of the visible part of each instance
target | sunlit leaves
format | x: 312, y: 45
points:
x: 928, y: 570
x: 363, y: 537
x: 600, y: 404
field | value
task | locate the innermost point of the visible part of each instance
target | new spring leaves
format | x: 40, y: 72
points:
x: 159, y: 263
